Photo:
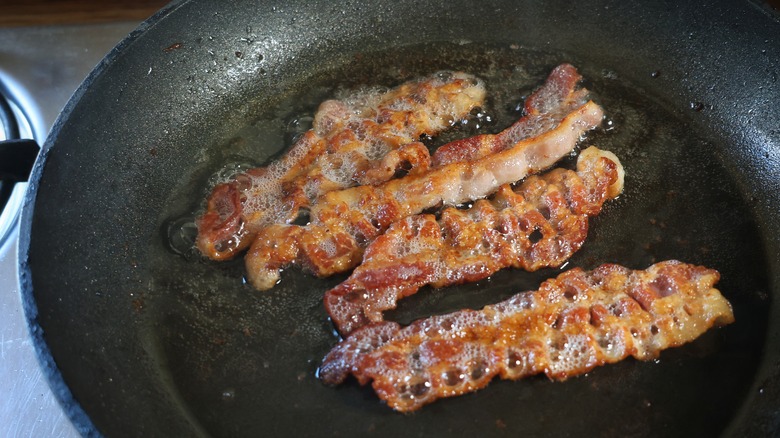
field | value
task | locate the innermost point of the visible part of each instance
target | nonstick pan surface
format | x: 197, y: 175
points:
x: 144, y: 337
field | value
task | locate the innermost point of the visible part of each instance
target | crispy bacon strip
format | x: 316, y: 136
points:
x: 343, y: 222
x: 572, y: 324
x: 540, y: 223
x: 365, y: 139
x: 543, y: 110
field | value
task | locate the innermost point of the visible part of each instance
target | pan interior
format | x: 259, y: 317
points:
x: 242, y: 361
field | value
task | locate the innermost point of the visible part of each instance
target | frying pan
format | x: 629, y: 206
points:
x: 141, y: 336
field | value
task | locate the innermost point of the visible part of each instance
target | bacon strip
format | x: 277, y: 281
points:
x: 571, y: 325
x: 541, y: 223
x: 343, y: 222
x: 543, y: 110
x: 365, y: 139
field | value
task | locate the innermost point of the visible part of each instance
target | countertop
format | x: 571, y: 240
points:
x: 63, y: 12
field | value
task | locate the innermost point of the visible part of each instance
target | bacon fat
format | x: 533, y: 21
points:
x: 570, y: 325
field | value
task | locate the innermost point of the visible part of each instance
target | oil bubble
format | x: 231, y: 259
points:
x: 697, y: 106
x: 181, y: 234
x: 229, y: 395
x: 229, y: 172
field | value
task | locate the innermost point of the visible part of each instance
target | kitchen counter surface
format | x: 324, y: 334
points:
x: 59, y: 12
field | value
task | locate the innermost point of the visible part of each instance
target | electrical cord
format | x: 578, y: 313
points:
x: 8, y: 119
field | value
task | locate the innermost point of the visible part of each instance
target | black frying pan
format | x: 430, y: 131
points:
x: 143, y: 337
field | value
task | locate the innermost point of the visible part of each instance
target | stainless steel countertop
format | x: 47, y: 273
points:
x: 42, y: 67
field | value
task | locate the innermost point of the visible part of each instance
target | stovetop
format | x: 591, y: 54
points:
x: 40, y: 67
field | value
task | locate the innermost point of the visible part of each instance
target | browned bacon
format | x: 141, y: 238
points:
x: 572, y: 324
x: 543, y: 111
x: 540, y: 223
x: 343, y: 222
x: 364, y: 139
